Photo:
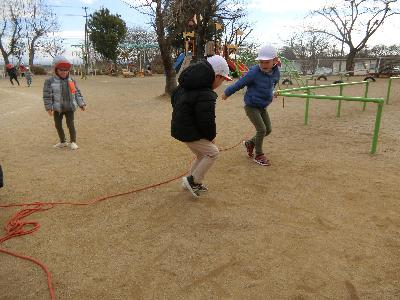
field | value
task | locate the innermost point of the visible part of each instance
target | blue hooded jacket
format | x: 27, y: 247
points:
x: 260, y: 86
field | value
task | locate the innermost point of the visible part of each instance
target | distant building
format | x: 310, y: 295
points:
x: 332, y: 66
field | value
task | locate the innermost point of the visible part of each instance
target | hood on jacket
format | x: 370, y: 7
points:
x: 196, y: 76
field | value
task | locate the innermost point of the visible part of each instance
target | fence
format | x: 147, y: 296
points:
x: 389, y: 88
x: 308, y: 95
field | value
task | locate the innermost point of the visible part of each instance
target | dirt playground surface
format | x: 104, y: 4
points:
x: 322, y: 222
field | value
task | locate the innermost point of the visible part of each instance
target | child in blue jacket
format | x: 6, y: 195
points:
x: 260, y: 81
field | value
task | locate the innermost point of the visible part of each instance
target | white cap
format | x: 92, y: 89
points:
x: 266, y: 52
x: 61, y: 61
x: 220, y: 66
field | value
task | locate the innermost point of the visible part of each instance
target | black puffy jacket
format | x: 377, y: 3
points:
x: 193, y: 103
x: 12, y: 72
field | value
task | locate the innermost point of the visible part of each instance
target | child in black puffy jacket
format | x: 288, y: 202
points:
x: 193, y: 116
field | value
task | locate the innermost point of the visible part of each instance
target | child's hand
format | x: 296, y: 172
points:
x: 50, y: 112
x: 224, y: 97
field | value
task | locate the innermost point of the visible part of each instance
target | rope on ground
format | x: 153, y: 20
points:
x: 15, y: 226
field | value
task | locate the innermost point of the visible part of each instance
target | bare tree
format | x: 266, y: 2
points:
x: 382, y: 50
x: 233, y: 27
x: 355, y: 17
x: 164, y: 14
x: 10, y: 28
x: 138, y: 43
x: 19, y: 51
x: 170, y: 18
x: 39, y: 21
x: 51, y: 46
x: 308, y: 46
x: 206, y: 13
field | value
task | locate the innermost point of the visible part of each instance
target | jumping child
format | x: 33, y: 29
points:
x: 260, y: 81
x: 193, y: 116
x: 12, y: 73
x: 61, y: 97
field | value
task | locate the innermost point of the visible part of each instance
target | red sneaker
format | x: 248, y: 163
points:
x: 249, y: 148
x: 262, y: 160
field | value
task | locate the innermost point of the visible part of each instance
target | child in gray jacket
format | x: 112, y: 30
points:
x: 61, y: 97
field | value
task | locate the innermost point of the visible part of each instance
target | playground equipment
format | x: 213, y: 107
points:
x: 189, y: 41
x: 307, y: 95
x: 182, y: 62
x: 127, y: 73
x: 291, y: 73
x: 211, y: 48
x: 142, y: 59
x: 237, y: 68
x: 389, y: 88
x: 184, y: 58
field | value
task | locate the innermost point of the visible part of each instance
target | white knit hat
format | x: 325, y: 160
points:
x: 61, y: 62
x: 220, y: 66
x: 267, y: 52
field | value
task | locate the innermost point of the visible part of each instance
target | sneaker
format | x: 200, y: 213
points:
x: 191, y: 186
x: 61, y: 145
x: 249, y: 148
x: 73, y: 146
x: 262, y: 160
x: 201, y: 187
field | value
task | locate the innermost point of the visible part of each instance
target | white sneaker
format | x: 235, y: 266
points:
x: 73, y: 146
x: 61, y: 145
x: 190, y: 186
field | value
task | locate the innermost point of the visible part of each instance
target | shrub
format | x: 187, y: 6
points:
x: 36, y: 70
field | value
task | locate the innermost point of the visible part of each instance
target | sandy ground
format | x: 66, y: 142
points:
x: 322, y: 222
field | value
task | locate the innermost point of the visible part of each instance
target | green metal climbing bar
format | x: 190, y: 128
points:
x: 308, y: 96
x: 389, y: 87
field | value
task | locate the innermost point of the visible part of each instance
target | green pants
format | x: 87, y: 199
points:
x: 69, y: 116
x: 260, y: 119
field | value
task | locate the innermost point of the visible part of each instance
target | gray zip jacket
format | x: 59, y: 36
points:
x: 53, y: 95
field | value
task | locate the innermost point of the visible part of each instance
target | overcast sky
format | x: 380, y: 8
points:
x: 274, y: 21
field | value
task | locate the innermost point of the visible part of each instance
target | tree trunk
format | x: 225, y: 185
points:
x: 200, y: 41
x: 202, y: 28
x: 170, y: 81
x: 32, y: 51
x: 350, y: 60
x: 4, y: 54
x: 166, y: 52
x: 170, y: 74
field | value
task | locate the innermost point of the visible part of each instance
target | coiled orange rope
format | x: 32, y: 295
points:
x: 17, y: 226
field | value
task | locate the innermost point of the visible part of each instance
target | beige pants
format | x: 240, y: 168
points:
x: 206, y: 153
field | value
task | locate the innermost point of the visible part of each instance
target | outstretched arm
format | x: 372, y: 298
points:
x: 238, y: 85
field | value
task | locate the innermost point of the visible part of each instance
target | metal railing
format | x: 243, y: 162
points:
x: 308, y: 95
x: 389, y: 87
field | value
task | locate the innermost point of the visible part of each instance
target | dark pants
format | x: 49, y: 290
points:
x: 1, y: 177
x: 260, y: 119
x: 14, y: 77
x: 69, y: 116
